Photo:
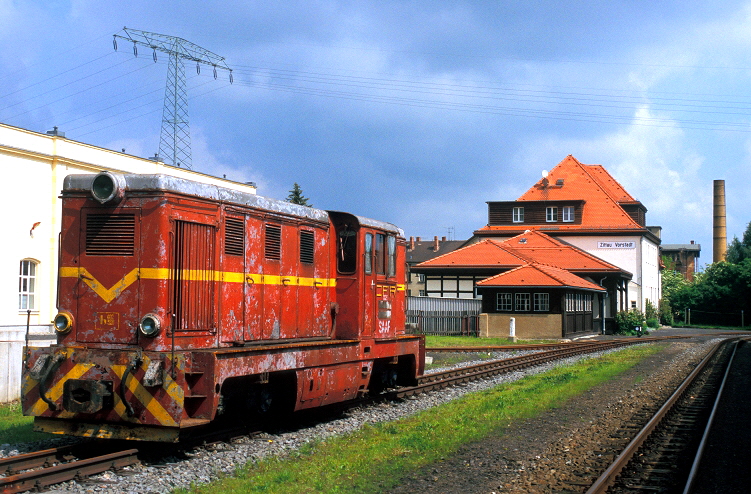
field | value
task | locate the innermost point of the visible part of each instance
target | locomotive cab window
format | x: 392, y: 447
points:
x: 346, y: 250
x: 385, y: 254
x: 391, y: 257
x: 380, y: 253
x: 368, y: 253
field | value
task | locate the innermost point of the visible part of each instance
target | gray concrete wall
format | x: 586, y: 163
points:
x: 12, y: 341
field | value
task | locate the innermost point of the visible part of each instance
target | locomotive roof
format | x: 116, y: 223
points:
x: 168, y: 183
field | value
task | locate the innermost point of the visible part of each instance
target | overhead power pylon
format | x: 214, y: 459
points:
x: 174, y: 142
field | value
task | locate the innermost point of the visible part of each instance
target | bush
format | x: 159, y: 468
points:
x: 650, y: 311
x: 653, y: 323
x: 626, y: 321
x: 666, y: 313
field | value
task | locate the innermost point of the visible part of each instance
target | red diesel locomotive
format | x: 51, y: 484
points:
x: 180, y: 301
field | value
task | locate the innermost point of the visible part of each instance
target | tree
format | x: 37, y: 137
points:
x: 738, y: 250
x: 295, y: 196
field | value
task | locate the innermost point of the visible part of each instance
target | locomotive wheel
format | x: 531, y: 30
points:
x: 261, y: 399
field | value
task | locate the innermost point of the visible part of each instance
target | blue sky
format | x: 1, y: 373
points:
x: 416, y: 113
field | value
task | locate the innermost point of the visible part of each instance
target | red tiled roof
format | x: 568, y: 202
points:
x: 487, y: 253
x: 592, y: 184
x: 539, y: 275
x: 531, y: 246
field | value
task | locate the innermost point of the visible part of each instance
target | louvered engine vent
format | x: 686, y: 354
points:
x: 307, y: 247
x: 110, y: 234
x: 273, y: 245
x: 234, y: 237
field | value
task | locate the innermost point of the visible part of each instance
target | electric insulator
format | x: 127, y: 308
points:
x: 155, y: 56
x: 230, y: 77
x: 135, y: 49
x: 114, y: 43
x: 198, y: 68
x: 214, y: 72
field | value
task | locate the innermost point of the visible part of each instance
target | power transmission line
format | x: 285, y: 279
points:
x: 174, y: 141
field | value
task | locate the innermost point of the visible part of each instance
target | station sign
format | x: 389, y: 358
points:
x: 616, y: 245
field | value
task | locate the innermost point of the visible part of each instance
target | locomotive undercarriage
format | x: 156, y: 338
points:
x: 158, y: 396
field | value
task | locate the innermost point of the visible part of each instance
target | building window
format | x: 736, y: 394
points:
x: 518, y: 215
x: 27, y: 285
x: 568, y: 214
x: 542, y: 302
x: 521, y: 302
x: 551, y: 214
x: 423, y: 293
x: 503, y: 302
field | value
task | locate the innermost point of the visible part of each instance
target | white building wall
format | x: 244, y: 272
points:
x: 636, y: 254
x: 32, y: 169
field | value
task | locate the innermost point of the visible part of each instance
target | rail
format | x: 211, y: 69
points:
x: 44, y: 474
x: 609, y: 476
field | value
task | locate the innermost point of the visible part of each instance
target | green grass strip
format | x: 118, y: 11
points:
x: 15, y: 428
x: 376, y: 457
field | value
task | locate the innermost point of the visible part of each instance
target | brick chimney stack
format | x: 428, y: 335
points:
x: 436, y: 244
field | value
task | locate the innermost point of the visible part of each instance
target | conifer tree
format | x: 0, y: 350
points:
x: 295, y: 196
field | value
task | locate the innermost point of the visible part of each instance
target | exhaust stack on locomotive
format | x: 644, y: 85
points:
x: 179, y: 301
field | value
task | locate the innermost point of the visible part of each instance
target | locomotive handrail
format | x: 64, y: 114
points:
x: 47, y: 369
x: 128, y: 370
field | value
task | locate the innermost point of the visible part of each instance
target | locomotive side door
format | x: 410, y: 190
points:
x: 384, y: 260
x: 271, y: 279
x: 369, y: 286
x: 254, y: 287
x: 289, y: 280
x: 232, y: 299
x: 108, y: 280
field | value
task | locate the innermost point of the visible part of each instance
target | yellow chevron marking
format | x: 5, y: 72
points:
x: 56, y: 391
x: 110, y: 294
x: 142, y: 395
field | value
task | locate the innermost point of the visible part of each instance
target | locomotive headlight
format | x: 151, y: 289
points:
x: 63, y: 322
x: 150, y: 325
x: 108, y: 187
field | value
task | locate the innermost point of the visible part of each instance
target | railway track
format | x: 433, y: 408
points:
x: 459, y: 375
x: 665, y: 454
x: 42, y: 469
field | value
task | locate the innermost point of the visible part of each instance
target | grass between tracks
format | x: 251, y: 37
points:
x: 376, y: 457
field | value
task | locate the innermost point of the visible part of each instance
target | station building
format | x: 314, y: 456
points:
x: 583, y: 210
x: 33, y: 167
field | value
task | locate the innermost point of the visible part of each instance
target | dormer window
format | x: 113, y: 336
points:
x: 568, y: 214
x: 551, y: 214
x: 518, y: 215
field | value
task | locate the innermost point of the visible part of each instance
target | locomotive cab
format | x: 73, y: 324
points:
x: 370, y: 277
